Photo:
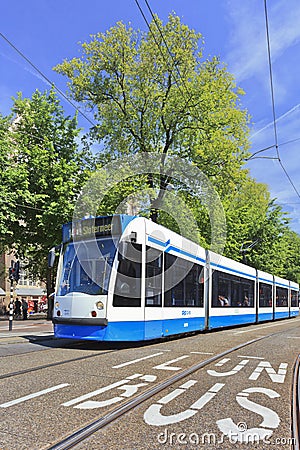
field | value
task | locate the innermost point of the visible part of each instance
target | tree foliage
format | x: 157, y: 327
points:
x: 153, y: 92
x: 42, y: 174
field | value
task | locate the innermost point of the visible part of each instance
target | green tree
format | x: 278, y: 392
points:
x: 256, y: 227
x: 292, y: 256
x: 44, y: 172
x: 154, y: 92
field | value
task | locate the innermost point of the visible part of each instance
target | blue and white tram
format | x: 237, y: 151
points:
x: 294, y: 299
x: 281, y: 298
x: 125, y: 278
x: 232, y: 297
x: 265, y: 295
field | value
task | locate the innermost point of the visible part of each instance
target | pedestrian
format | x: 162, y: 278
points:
x: 4, y: 310
x: 24, y: 308
x: 17, y: 311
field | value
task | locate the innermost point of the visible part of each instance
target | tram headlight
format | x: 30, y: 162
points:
x: 56, y: 305
x: 99, y: 305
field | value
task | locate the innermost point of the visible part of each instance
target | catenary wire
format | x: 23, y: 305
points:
x: 273, y: 101
x: 276, y: 145
x: 167, y: 48
x: 166, y: 44
x: 253, y: 155
x: 47, y: 79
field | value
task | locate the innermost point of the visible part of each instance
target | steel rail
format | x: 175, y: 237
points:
x: 47, y: 366
x: 296, y: 405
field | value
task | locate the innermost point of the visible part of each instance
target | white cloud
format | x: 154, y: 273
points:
x: 271, y: 124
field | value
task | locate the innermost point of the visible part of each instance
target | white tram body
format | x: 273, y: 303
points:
x: 281, y: 298
x: 265, y: 295
x: 235, y: 282
x: 125, y: 278
x: 294, y: 299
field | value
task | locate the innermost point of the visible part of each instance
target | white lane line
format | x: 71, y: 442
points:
x: 136, y: 360
x: 250, y: 357
x: 36, y: 394
x: 202, y: 353
x: 293, y: 337
x: 101, y: 390
x: 260, y: 328
x: 166, y: 365
x: 166, y: 350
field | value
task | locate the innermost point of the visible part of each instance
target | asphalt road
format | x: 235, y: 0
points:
x: 50, y: 388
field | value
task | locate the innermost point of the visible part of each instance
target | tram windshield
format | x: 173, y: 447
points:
x: 86, y: 267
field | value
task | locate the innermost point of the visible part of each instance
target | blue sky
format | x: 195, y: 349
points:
x: 47, y: 31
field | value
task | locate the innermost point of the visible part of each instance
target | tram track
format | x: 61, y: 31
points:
x: 296, y: 405
x: 56, y: 364
x: 59, y: 363
x: 88, y: 430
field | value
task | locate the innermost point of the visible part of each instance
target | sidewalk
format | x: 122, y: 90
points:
x: 33, y: 329
x: 34, y: 316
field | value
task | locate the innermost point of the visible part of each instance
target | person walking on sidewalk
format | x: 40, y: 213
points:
x: 24, y: 309
x: 17, y: 310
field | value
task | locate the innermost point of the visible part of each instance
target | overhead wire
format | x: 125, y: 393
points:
x: 158, y: 44
x: 166, y: 44
x: 276, y: 145
x: 253, y: 155
x: 51, y: 83
x: 273, y: 101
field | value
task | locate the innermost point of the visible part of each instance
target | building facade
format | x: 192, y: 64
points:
x: 33, y: 291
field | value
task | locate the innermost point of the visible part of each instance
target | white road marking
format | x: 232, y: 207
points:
x: 209, y: 395
x: 222, y: 362
x: 236, y: 369
x: 136, y: 360
x: 202, y: 353
x: 101, y: 390
x: 165, y: 366
x: 278, y: 377
x: 30, y: 396
x: 260, y: 328
x: 153, y: 416
x: 252, y: 435
x: 97, y: 392
x: 251, y: 357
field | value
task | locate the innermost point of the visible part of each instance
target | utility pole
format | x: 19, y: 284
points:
x: 14, y: 276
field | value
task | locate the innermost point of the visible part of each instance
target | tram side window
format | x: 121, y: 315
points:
x: 188, y: 292
x: 230, y: 290
x: 294, y: 298
x: 221, y: 289
x: 194, y: 287
x: 128, y: 281
x: 153, y: 277
x: 265, y: 295
x: 281, y: 296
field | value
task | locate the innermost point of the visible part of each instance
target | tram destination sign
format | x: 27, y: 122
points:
x: 97, y: 226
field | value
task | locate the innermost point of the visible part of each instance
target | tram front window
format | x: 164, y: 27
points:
x: 86, y: 267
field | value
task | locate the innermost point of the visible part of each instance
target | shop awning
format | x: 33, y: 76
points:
x: 29, y: 291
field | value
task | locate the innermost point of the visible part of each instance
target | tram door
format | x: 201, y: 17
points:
x: 153, y: 293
